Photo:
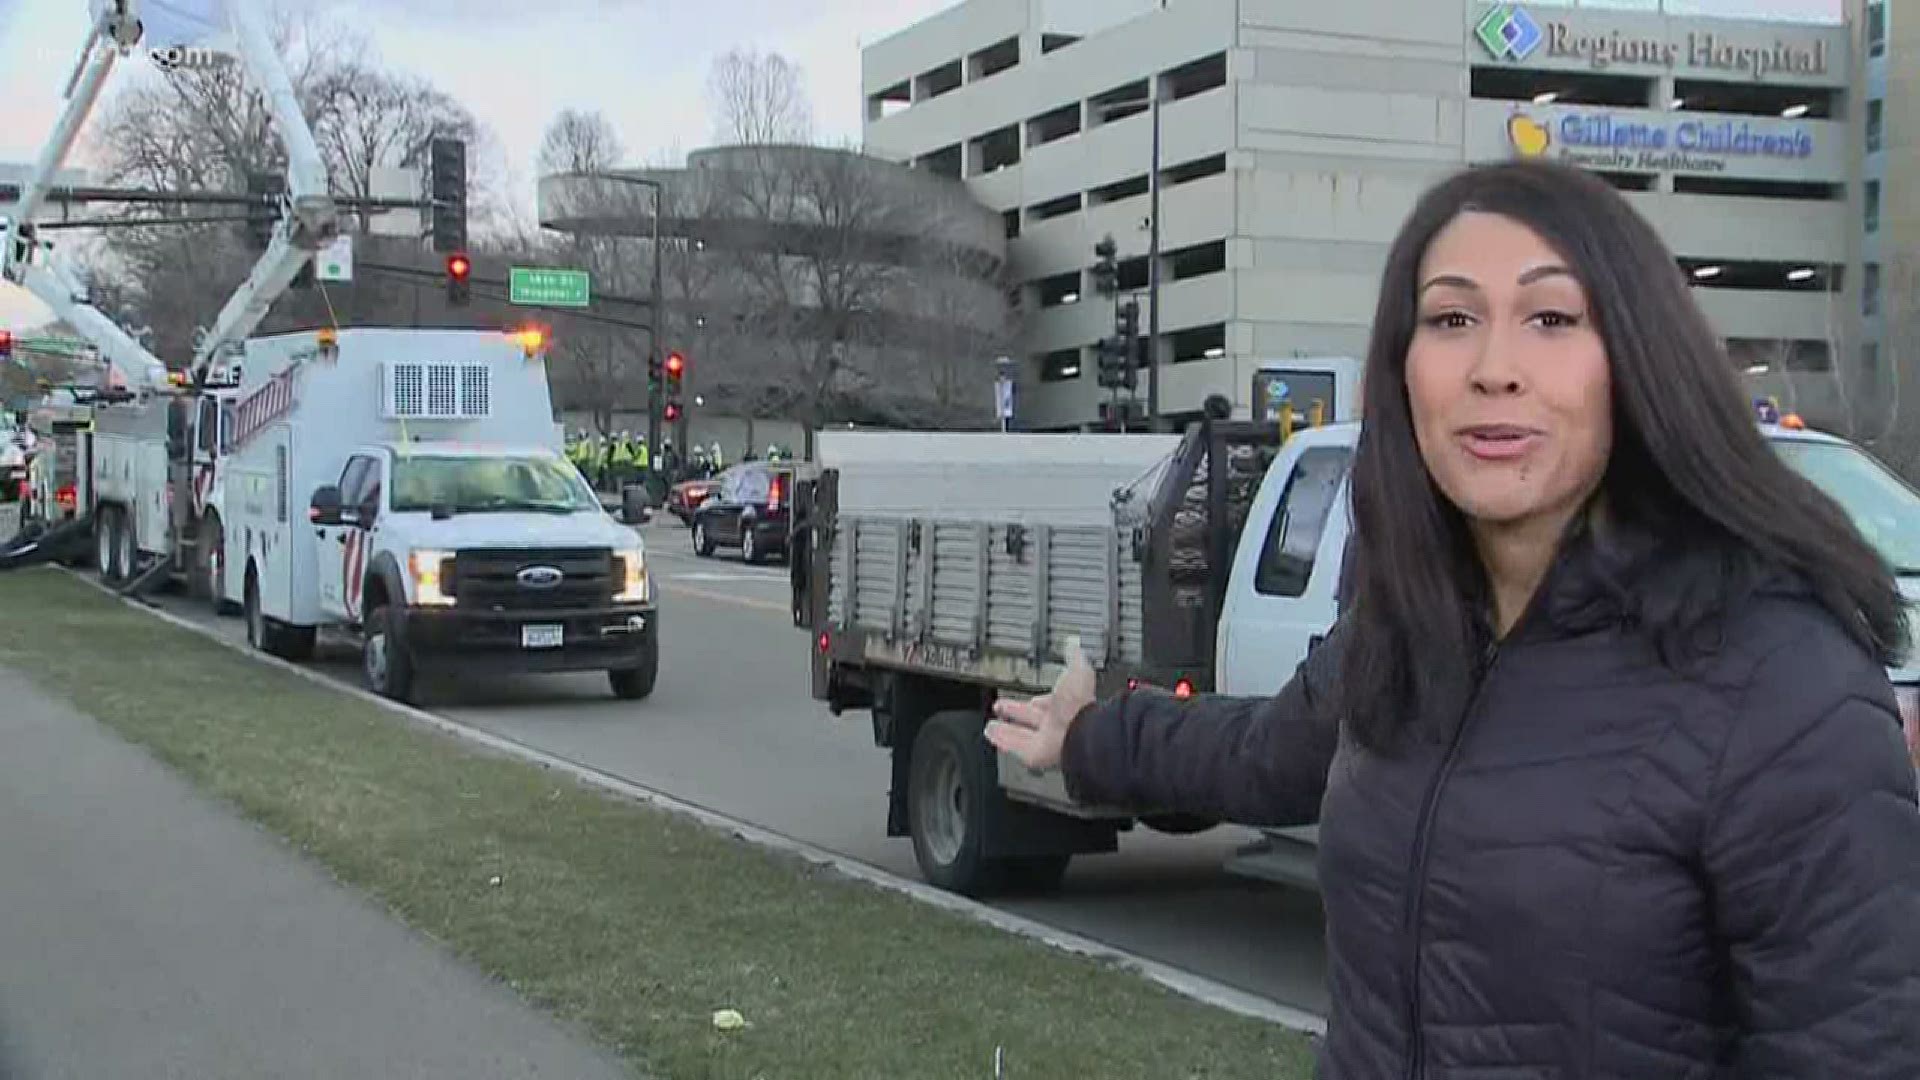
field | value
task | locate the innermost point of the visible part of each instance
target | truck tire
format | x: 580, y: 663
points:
x: 106, y: 544
x: 636, y: 683
x: 385, y: 663
x: 271, y: 636
x: 949, y: 784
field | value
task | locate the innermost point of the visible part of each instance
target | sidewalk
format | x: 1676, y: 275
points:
x: 148, y: 932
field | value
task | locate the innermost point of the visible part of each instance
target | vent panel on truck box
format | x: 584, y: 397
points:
x: 436, y: 391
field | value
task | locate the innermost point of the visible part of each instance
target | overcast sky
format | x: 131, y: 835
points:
x: 515, y: 63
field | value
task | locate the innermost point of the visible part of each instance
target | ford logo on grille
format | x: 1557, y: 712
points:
x: 540, y: 577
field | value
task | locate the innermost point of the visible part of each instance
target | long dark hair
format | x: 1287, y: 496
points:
x: 1689, y: 466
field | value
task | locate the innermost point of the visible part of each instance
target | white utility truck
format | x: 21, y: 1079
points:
x: 948, y: 569
x: 408, y: 486
x: 150, y: 470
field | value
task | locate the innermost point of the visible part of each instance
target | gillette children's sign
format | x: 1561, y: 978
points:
x: 1513, y: 33
x: 1684, y: 143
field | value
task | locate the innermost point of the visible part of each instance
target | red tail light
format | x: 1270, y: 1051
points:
x: 1133, y: 684
x: 825, y: 641
x: 773, y: 495
x: 66, y: 496
x: 1183, y: 688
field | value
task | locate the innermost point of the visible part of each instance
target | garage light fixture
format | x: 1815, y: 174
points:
x: 1702, y: 273
x: 1546, y: 98
x: 1070, y: 298
x: 1794, y: 112
x: 1677, y: 103
x: 1800, y: 273
x: 1215, y: 353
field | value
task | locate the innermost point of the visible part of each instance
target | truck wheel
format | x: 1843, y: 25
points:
x: 702, y: 543
x: 271, y: 636
x: 127, y: 549
x: 384, y: 662
x: 636, y: 683
x: 948, y: 788
x: 106, y: 545
x: 210, y: 568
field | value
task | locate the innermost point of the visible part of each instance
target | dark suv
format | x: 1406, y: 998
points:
x: 748, y: 510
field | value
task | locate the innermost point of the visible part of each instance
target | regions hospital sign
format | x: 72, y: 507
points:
x: 1509, y: 32
x: 1694, y: 144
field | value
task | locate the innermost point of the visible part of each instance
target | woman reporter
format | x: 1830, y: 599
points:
x: 1609, y: 776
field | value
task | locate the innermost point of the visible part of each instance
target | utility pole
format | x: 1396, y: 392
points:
x: 1153, y: 258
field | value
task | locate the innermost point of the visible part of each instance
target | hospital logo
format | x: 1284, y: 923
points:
x: 1527, y: 136
x: 1509, y: 33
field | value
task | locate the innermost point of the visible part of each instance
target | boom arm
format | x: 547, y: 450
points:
x: 307, y: 222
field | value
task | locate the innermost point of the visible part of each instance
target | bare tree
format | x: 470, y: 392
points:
x: 1899, y: 358
x: 759, y: 99
x: 366, y: 119
x: 580, y: 142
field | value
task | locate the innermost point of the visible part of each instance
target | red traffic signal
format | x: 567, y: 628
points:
x: 672, y: 411
x: 459, y: 267
x: 6, y: 343
x: 676, y: 365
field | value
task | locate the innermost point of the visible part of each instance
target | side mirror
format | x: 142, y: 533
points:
x: 325, y: 507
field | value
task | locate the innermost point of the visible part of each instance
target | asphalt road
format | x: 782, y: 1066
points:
x: 732, y: 727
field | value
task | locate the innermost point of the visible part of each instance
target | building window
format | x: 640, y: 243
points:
x: 1870, y: 289
x: 1187, y: 172
x: 1876, y: 27
x: 1132, y: 274
x: 1011, y: 221
x: 1050, y: 42
x: 993, y: 59
x: 1871, y: 218
x: 1132, y: 187
x: 889, y: 101
x: 1187, y: 262
x: 1119, y: 103
x: 1060, y: 366
x: 1198, y: 77
x: 1054, y: 126
x: 1875, y: 122
x: 1053, y: 208
x: 995, y: 150
x: 1200, y: 343
x: 940, y: 80
x: 1059, y: 290
x: 944, y: 162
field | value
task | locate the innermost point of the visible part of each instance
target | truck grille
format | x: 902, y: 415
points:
x: 493, y: 580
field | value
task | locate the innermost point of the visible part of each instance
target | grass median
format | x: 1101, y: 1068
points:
x: 627, y: 920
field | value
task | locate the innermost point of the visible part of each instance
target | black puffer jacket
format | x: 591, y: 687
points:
x: 1606, y: 870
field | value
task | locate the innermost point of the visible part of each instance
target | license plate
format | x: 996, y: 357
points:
x: 542, y: 637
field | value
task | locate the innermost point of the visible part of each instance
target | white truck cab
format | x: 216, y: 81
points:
x: 408, y: 487
x: 1282, y: 595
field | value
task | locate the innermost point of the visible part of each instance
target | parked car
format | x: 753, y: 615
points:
x: 749, y: 510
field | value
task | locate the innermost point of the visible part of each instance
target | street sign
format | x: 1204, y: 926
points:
x: 540, y: 285
x: 335, y: 261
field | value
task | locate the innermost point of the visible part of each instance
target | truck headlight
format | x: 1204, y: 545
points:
x: 630, y: 576
x: 428, y: 569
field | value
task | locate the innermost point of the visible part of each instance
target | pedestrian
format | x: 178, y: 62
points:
x: 1607, y: 770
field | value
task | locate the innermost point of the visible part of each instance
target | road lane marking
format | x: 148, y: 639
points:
x: 1180, y: 980
x: 671, y: 585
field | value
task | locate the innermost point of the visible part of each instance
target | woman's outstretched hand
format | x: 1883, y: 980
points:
x: 1035, y: 730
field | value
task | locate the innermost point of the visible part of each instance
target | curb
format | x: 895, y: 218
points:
x: 1198, y: 988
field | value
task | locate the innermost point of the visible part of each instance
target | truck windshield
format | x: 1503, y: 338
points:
x: 1883, y: 507
x: 489, y: 484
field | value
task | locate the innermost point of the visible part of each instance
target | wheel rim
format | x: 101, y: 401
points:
x: 699, y: 536
x: 376, y: 660
x: 747, y: 547
x: 129, y: 555
x: 103, y: 541
x: 943, y: 809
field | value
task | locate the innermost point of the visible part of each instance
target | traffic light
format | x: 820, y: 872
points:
x: 262, y: 213
x: 459, y: 279
x: 674, y: 367
x: 1126, y: 327
x: 447, y: 187
x: 6, y: 344
x: 1106, y: 267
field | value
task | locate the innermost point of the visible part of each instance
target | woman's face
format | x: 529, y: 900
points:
x: 1507, y: 375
